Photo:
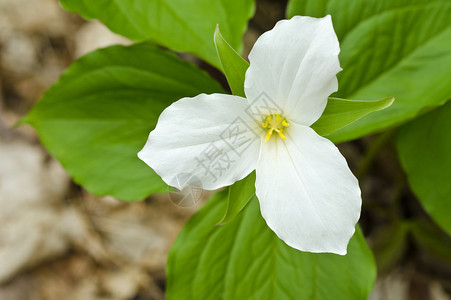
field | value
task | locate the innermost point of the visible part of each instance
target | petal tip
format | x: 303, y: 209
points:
x: 140, y: 155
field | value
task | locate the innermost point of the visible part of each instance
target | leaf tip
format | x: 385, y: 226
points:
x: 390, y: 100
x: 217, y: 34
x: 24, y: 120
x: 223, y: 220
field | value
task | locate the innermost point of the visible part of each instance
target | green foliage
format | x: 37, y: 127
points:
x: 342, y: 112
x: 246, y: 260
x: 240, y: 193
x: 233, y: 65
x: 400, y: 48
x: 99, y: 114
x: 181, y: 25
x: 424, y: 147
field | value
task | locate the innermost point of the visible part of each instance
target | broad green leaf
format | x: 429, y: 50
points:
x: 181, y: 25
x: 233, y: 65
x: 399, y: 48
x: 424, y: 147
x: 240, y: 193
x: 341, y: 112
x: 97, y: 117
x: 246, y: 260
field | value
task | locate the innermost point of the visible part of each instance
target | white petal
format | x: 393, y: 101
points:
x: 308, y: 196
x: 207, y: 141
x: 295, y: 65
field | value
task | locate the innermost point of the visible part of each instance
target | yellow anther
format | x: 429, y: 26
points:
x: 268, y: 134
x: 281, y: 134
x: 274, y: 122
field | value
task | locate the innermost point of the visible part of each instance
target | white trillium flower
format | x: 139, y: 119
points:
x: 307, y: 193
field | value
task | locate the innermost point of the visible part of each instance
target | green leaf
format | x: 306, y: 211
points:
x: 424, y: 147
x: 233, y: 65
x: 341, y: 112
x: 97, y: 117
x: 240, y: 193
x: 181, y: 25
x: 246, y: 260
x: 388, y: 47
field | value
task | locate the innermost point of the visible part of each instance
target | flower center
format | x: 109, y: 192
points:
x: 275, y: 123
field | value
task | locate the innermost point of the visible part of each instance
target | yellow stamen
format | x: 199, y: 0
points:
x: 268, y: 134
x: 281, y: 134
x: 274, y: 122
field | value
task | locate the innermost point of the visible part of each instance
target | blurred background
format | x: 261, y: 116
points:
x: 57, y: 241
